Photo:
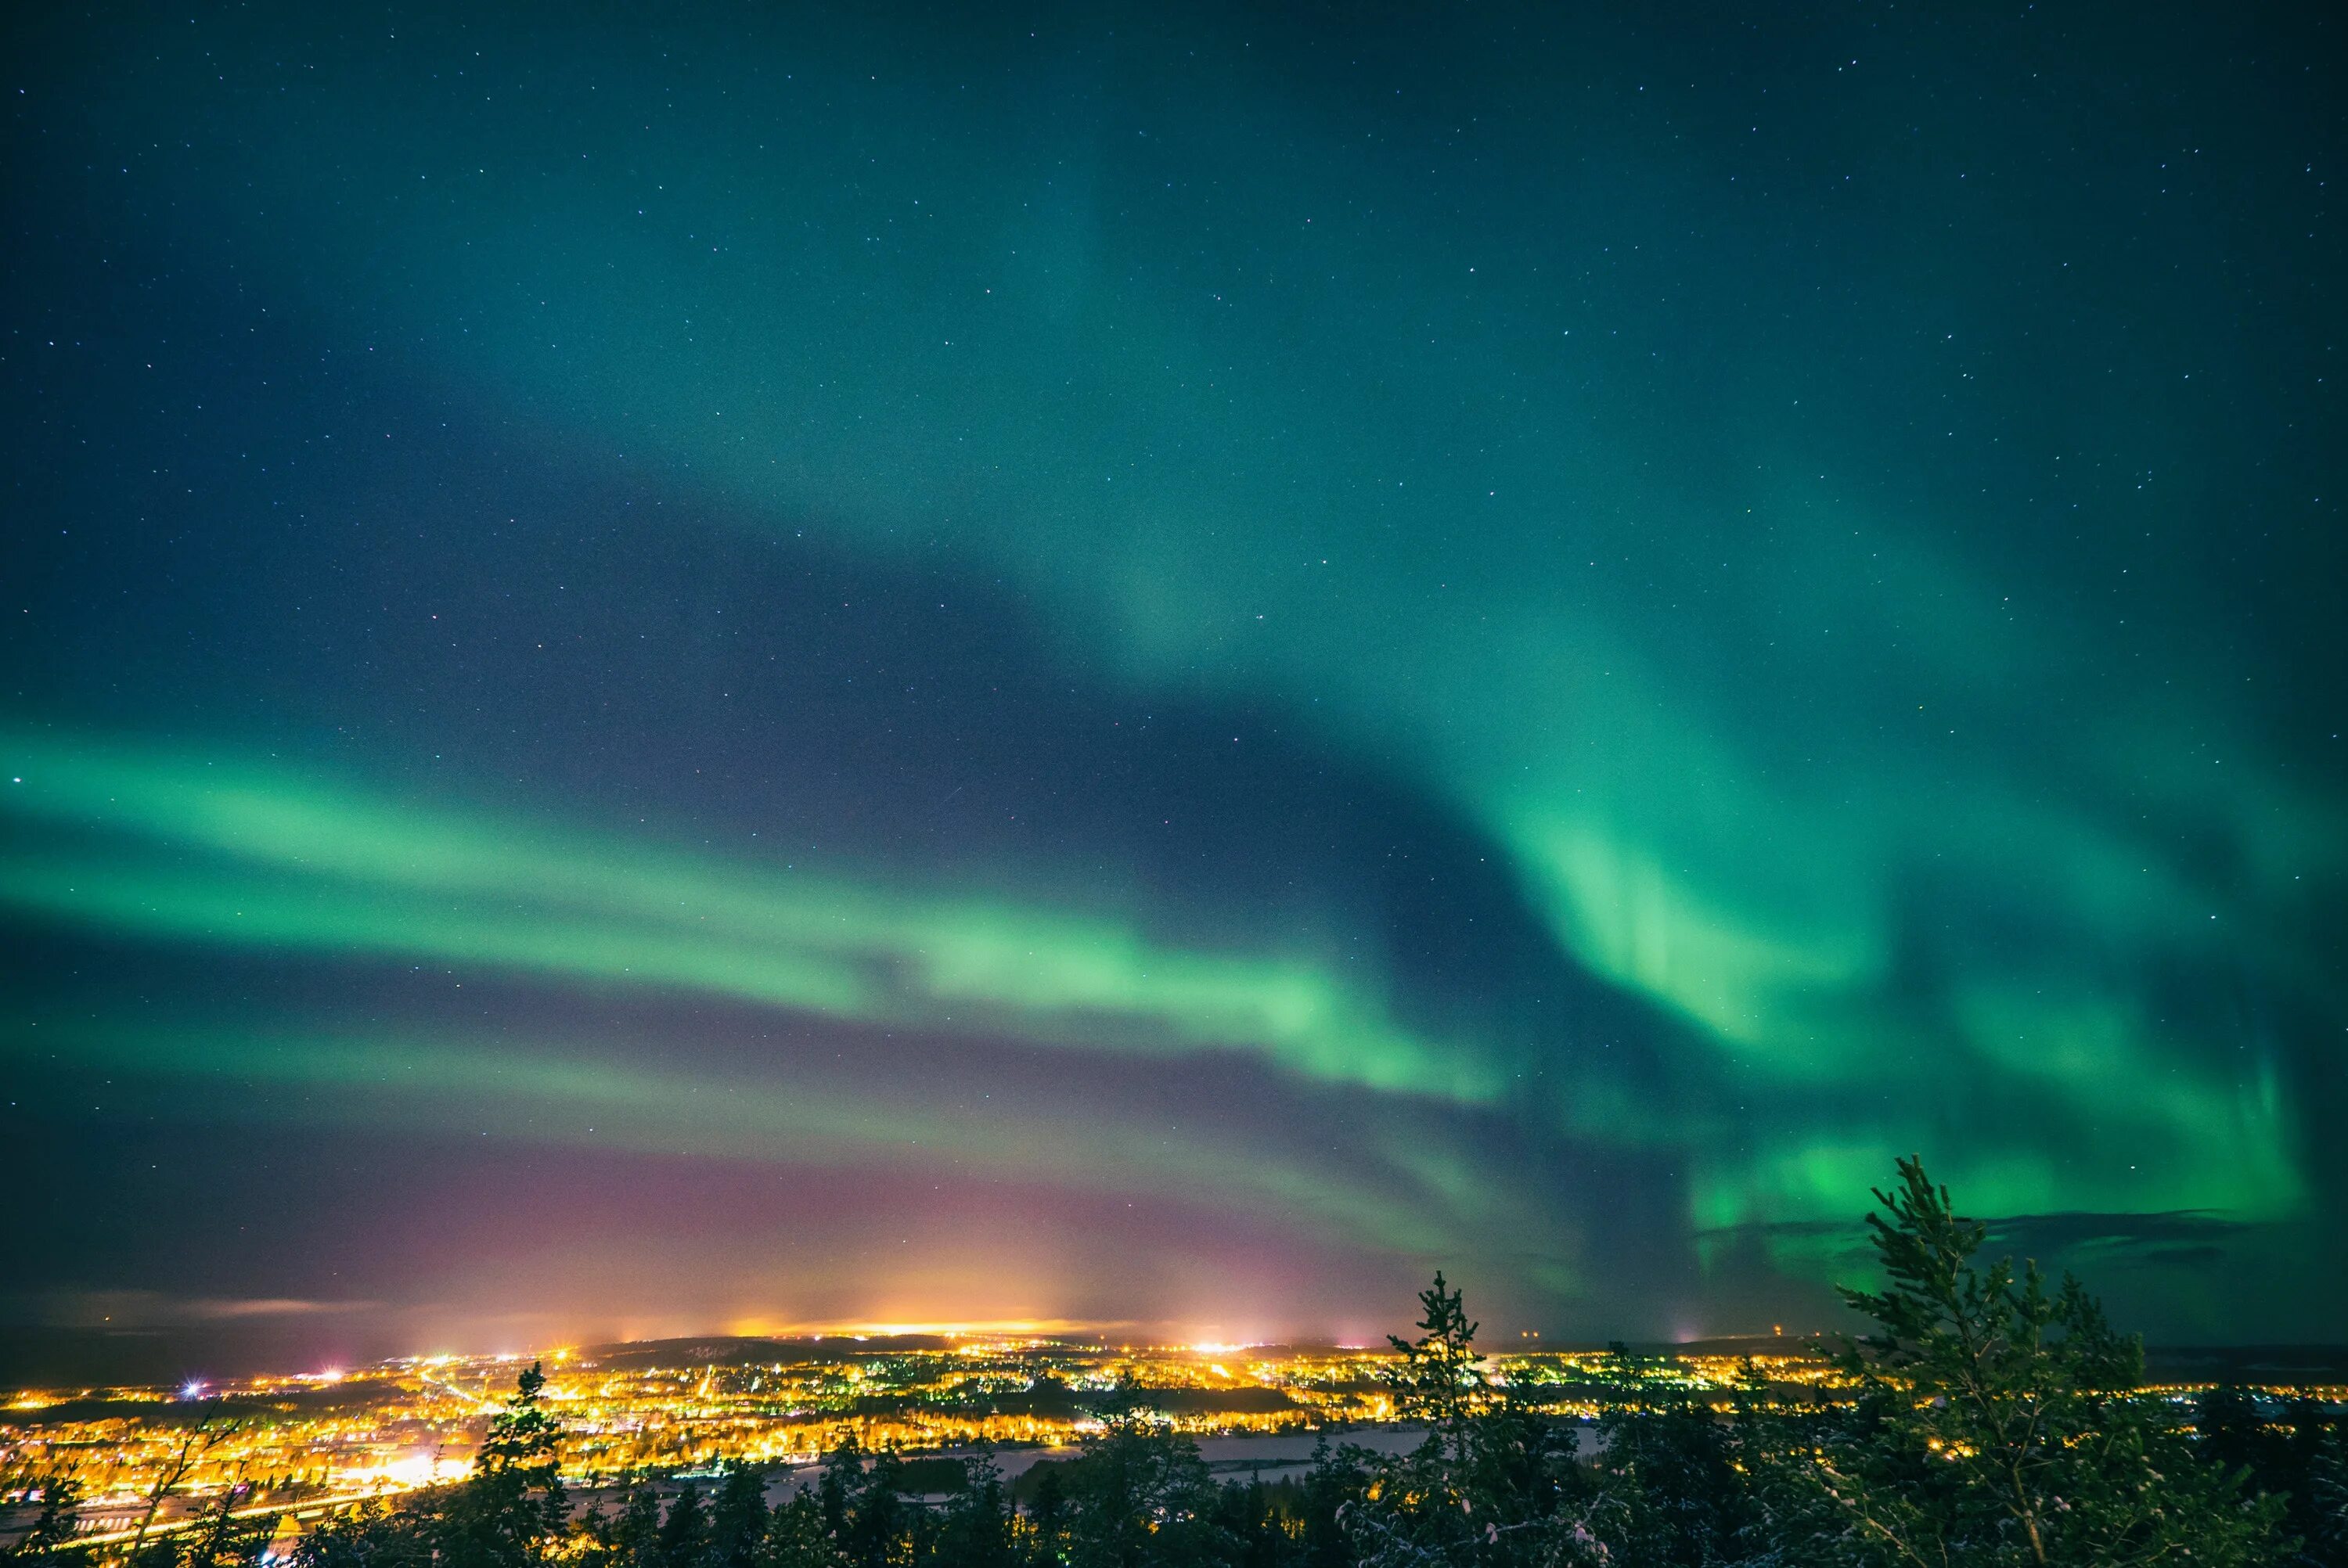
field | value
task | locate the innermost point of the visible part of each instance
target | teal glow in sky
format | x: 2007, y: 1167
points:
x: 1529, y: 644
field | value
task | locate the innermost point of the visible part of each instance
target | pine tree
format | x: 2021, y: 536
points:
x: 880, y: 1526
x: 685, y: 1533
x: 1665, y: 1488
x: 1142, y: 1498
x: 1048, y: 1516
x: 975, y: 1531
x: 1439, y: 1377
x: 372, y: 1535
x: 635, y: 1535
x: 53, y: 1527
x: 1253, y: 1527
x: 2326, y: 1543
x: 737, y: 1517
x: 1992, y: 1426
x: 797, y: 1537
x: 1488, y: 1486
x: 841, y: 1485
x: 512, y: 1510
x: 1337, y: 1481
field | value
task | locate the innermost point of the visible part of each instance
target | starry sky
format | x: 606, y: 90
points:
x: 673, y: 668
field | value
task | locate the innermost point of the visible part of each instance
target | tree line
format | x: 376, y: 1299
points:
x: 1990, y: 1419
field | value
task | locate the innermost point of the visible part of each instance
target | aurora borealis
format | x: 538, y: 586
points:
x: 765, y: 666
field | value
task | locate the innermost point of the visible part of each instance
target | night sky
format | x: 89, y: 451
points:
x: 665, y: 670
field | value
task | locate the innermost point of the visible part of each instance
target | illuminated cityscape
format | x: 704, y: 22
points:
x: 694, y: 1405
x: 306, y: 1444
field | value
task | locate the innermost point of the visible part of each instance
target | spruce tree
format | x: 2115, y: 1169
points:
x: 796, y: 1536
x: 842, y: 1484
x: 635, y: 1535
x: 685, y: 1533
x: 1141, y: 1497
x: 1045, y: 1534
x: 1336, y: 1482
x: 880, y: 1524
x: 1438, y: 1378
x: 737, y: 1517
x: 512, y: 1510
x: 2326, y: 1510
x: 372, y: 1535
x: 53, y: 1527
x: 975, y: 1531
x: 1490, y: 1484
x: 1992, y: 1425
x: 1664, y: 1488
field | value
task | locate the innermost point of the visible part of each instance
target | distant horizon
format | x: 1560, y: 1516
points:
x: 19, y: 1360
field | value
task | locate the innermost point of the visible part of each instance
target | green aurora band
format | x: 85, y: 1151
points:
x: 286, y: 863
x: 226, y: 851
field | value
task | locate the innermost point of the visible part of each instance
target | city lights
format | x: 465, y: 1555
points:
x: 307, y: 1443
